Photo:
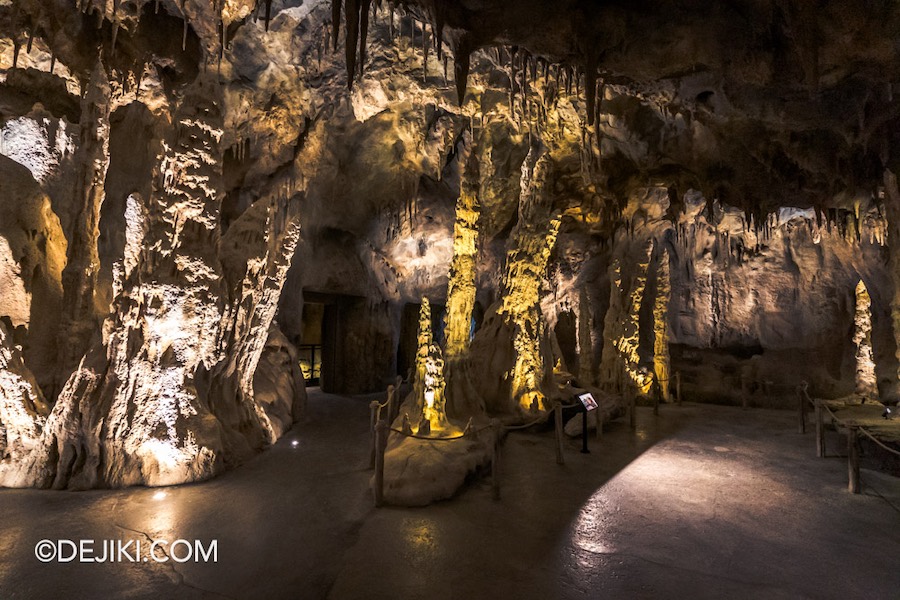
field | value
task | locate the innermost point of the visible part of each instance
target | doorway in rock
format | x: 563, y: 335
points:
x: 310, y: 347
x: 351, y: 339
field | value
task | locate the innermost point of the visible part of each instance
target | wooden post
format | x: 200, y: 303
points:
x: 495, y: 458
x: 381, y: 433
x: 584, y: 431
x: 820, y: 431
x: 657, y: 392
x: 801, y: 413
x: 803, y: 387
x: 678, y: 386
x: 557, y: 417
x: 390, y: 404
x: 744, y: 391
x: 395, y: 407
x: 632, y: 404
x: 853, y: 458
x: 373, y: 419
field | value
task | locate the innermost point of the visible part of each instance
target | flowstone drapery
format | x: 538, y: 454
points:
x: 142, y: 408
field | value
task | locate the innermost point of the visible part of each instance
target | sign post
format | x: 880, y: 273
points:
x: 589, y: 404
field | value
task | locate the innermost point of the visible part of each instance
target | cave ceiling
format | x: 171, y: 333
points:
x: 758, y: 103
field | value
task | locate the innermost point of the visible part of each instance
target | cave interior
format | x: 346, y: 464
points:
x: 222, y: 219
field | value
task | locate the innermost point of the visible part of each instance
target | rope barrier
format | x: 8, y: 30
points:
x: 439, y: 439
x: 860, y: 428
x: 872, y: 437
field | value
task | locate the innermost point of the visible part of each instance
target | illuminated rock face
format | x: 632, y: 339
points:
x: 80, y: 276
x: 22, y: 407
x: 661, y: 324
x: 526, y: 261
x: 862, y: 338
x: 428, y: 388
x: 168, y: 396
x: 461, y: 290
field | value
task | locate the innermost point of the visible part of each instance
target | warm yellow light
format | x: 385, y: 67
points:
x: 862, y: 338
x: 661, y: 325
x: 461, y: 285
x: 532, y: 241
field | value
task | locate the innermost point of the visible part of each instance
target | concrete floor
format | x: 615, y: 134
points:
x: 699, y: 502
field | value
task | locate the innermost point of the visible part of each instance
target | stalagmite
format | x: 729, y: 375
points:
x: 622, y: 326
x: 531, y: 243
x: 661, y: 325
x: 585, y: 340
x: 461, y: 286
x: 428, y: 388
x: 461, y: 60
x: 866, y: 383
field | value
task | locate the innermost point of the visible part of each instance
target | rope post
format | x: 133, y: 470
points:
x: 599, y: 424
x: 801, y: 410
x: 395, y: 406
x: 744, y: 399
x: 678, y: 386
x: 584, y: 431
x: 632, y: 405
x: 853, y: 458
x: 381, y: 433
x: 391, y: 393
x: 373, y: 419
x: 495, y: 457
x: 803, y: 387
x: 557, y: 417
x: 820, y: 431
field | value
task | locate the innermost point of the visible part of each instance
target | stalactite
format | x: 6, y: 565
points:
x: 351, y: 13
x: 424, y: 54
x: 268, y: 13
x: 335, y: 22
x: 461, y: 71
x: 363, y: 32
x: 590, y: 90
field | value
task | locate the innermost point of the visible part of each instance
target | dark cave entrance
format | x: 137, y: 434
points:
x: 347, y: 343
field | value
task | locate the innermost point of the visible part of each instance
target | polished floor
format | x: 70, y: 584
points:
x: 699, y: 502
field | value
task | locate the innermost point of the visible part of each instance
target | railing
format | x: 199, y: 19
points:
x: 381, y: 429
x: 853, y: 431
